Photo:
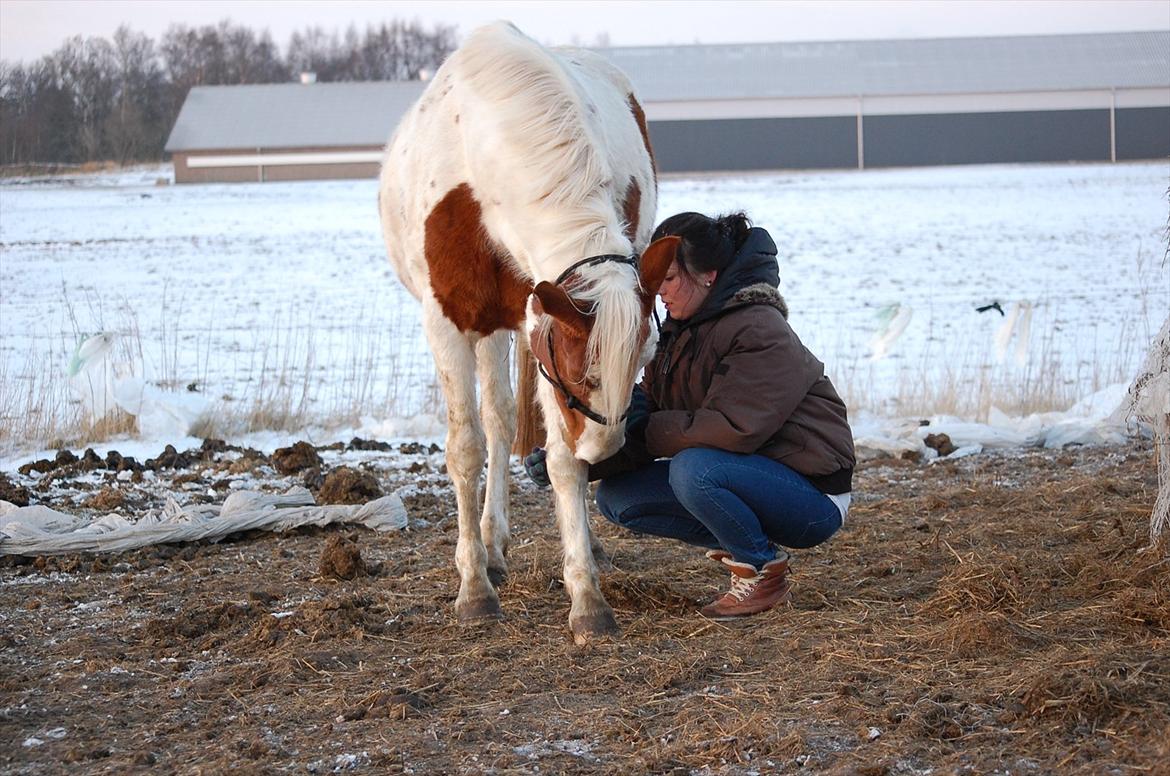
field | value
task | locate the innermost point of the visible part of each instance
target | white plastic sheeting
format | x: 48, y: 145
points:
x: 1091, y: 421
x: 38, y: 530
x: 1017, y: 323
x: 893, y: 320
x: 103, y: 383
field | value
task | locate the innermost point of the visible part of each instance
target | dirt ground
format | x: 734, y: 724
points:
x: 991, y: 614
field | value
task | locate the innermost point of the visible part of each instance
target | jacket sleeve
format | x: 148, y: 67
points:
x: 631, y: 457
x: 760, y: 378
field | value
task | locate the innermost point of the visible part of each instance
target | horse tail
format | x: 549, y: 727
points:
x: 529, y: 425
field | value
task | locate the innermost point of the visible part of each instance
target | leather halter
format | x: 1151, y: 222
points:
x: 571, y: 401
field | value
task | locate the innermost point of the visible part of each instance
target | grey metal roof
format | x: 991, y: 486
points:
x: 903, y: 67
x: 364, y: 114
x: 291, y: 115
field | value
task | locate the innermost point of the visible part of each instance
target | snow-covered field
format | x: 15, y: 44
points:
x: 248, y: 292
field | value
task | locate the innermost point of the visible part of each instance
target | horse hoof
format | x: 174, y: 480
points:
x: 497, y: 576
x: 590, y: 627
x: 487, y: 608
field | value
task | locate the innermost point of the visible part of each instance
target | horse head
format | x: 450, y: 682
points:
x: 591, y: 340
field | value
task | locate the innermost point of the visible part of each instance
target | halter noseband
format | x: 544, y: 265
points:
x: 572, y: 401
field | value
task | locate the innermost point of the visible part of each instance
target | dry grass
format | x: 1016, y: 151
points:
x: 982, y: 615
x: 47, y: 169
x: 285, y: 377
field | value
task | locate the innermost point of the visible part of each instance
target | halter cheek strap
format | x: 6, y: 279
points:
x: 572, y: 401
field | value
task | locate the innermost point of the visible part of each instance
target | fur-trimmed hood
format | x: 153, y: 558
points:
x: 759, y: 293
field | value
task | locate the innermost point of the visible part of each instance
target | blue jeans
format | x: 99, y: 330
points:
x: 713, y: 498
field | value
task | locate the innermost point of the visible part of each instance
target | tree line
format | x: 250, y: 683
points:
x: 95, y: 99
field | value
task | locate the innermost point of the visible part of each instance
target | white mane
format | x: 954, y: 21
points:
x: 619, y: 317
x: 554, y: 136
x: 562, y: 172
x: 611, y: 343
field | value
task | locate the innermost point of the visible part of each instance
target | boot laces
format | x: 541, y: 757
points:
x: 743, y: 587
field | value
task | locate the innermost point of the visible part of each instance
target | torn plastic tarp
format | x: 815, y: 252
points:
x: 104, y: 384
x: 38, y: 530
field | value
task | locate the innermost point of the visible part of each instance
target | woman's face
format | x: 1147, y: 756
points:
x: 683, y: 296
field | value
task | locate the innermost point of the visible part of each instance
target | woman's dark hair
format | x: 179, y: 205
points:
x: 707, y: 243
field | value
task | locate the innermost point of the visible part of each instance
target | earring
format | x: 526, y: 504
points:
x: 708, y: 284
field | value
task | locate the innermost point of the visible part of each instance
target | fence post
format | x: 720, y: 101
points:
x: 860, y: 134
x: 1113, y: 124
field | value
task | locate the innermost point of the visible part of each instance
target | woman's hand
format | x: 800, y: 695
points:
x: 534, y: 465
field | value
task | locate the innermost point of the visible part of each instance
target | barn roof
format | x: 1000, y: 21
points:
x: 291, y: 115
x: 901, y: 67
x: 364, y: 114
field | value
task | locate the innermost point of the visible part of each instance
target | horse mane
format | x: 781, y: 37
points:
x: 545, y: 126
x: 562, y: 172
x: 618, y: 319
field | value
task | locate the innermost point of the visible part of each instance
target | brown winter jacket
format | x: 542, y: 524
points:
x: 736, y: 377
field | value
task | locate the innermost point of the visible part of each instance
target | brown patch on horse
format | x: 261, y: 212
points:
x: 472, y: 282
x: 640, y: 117
x: 630, y: 206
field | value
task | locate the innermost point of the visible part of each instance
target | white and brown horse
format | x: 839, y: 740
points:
x: 518, y: 192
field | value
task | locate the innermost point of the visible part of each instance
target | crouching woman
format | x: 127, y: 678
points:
x: 736, y: 439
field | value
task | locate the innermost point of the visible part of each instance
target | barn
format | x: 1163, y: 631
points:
x: 764, y: 106
x: 282, y: 132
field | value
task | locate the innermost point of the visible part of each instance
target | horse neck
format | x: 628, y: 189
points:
x: 555, y: 242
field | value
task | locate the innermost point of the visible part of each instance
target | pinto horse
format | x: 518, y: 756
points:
x: 517, y: 193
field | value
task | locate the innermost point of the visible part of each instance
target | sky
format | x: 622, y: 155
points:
x: 30, y: 29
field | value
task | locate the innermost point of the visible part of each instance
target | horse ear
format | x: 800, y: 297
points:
x: 656, y: 260
x: 549, y: 299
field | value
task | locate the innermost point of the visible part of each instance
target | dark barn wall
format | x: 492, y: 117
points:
x: 754, y: 144
x: 1143, y: 133
x: 983, y: 138
x: 908, y: 140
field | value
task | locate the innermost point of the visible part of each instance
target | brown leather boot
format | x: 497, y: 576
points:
x: 752, y: 590
x: 718, y: 555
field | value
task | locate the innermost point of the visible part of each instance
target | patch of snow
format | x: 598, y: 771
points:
x: 228, y: 286
x: 344, y: 762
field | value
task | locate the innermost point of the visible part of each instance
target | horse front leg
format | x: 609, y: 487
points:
x: 498, y: 412
x: 455, y: 361
x: 590, y: 615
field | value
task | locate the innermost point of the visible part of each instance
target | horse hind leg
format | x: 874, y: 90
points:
x: 455, y: 362
x: 498, y: 413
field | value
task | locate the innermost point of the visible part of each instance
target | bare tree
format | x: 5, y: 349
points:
x: 85, y: 69
x: 96, y: 99
x: 135, y: 128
